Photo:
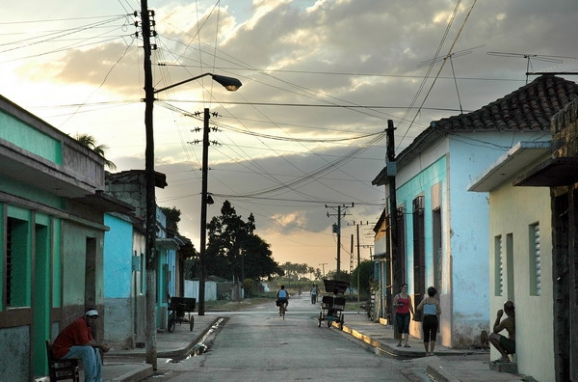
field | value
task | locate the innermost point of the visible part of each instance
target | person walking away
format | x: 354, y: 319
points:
x: 431, y: 311
x: 282, y: 298
x: 505, y: 345
x: 314, y: 292
x: 403, y: 307
x: 76, y: 341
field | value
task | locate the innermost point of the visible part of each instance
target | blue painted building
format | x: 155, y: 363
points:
x: 124, y: 256
x: 443, y: 229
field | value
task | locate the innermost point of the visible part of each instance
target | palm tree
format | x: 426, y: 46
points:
x: 89, y: 141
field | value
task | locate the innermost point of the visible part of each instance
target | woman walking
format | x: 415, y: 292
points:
x: 431, y: 311
x: 403, y: 307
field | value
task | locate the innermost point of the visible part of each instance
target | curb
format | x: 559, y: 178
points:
x: 191, y: 345
x: 141, y: 372
x: 440, y: 375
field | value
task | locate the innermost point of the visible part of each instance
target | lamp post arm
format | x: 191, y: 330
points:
x: 182, y: 82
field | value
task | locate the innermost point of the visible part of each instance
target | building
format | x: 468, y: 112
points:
x: 52, y: 206
x: 124, y: 255
x: 559, y: 175
x: 443, y: 228
x: 520, y: 255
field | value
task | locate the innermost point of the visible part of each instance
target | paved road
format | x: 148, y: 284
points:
x: 257, y: 345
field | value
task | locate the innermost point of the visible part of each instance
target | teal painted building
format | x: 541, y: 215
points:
x: 52, y: 207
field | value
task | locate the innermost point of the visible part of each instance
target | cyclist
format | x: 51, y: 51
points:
x: 282, y: 298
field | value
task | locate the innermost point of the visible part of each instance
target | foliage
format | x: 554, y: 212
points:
x: 365, y: 272
x: 173, y: 218
x: 89, y: 141
x: 234, y: 250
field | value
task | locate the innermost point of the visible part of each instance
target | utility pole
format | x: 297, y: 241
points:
x: 151, y: 215
x: 203, y: 240
x: 337, y: 230
x: 323, y: 269
x: 358, y: 262
x: 391, y: 167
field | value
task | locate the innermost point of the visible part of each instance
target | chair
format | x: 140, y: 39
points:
x: 61, y: 369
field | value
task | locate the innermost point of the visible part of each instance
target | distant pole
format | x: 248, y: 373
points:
x: 338, y: 232
x: 391, y: 173
x: 358, y: 271
x: 323, y: 269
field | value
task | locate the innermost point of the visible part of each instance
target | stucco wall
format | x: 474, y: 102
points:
x: 512, y: 211
x: 119, y: 323
x: 15, y: 359
x: 118, y: 254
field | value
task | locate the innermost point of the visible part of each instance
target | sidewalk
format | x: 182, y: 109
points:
x: 448, y: 365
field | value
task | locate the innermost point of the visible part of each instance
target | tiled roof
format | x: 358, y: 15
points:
x: 529, y: 108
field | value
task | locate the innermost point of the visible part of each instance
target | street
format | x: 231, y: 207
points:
x: 257, y: 345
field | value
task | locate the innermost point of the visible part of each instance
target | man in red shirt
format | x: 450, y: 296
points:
x: 76, y: 341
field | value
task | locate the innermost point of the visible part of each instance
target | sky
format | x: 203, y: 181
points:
x: 306, y: 131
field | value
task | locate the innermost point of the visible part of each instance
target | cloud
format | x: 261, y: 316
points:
x: 335, y: 59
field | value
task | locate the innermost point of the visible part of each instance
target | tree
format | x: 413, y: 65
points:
x: 173, y: 218
x: 89, y: 141
x: 235, y: 250
x: 365, y: 271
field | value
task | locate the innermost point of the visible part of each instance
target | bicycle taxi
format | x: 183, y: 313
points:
x: 332, y: 305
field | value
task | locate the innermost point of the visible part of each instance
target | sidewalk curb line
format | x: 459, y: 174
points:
x: 189, y: 347
x: 440, y: 375
x: 143, y: 372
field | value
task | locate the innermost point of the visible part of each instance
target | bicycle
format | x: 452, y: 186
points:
x: 282, y: 304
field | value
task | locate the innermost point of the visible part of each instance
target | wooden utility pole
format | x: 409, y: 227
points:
x: 204, y: 197
x: 337, y: 230
x: 151, y: 208
x: 391, y: 168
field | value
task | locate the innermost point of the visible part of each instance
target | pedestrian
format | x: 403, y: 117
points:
x: 431, y: 311
x: 314, y: 292
x: 282, y: 298
x: 76, y: 341
x: 403, y: 308
x: 505, y: 345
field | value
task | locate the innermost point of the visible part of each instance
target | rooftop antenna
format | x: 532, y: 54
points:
x: 450, y: 56
x: 530, y: 57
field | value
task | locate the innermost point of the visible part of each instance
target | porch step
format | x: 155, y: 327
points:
x: 504, y: 367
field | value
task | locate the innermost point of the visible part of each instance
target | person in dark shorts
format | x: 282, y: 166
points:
x: 431, y: 310
x: 505, y: 345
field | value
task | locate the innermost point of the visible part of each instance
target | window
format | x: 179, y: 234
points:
x: 418, y: 252
x: 16, y: 282
x: 535, y: 260
x: 498, y: 267
x: 437, y: 248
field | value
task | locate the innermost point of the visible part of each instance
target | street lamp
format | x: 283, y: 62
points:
x: 231, y: 84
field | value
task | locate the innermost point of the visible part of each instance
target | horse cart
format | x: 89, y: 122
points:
x: 178, y: 306
x: 333, y: 304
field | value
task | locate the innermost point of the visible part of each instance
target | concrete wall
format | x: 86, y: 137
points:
x: 15, y: 359
x: 452, y: 163
x: 512, y: 211
x: 118, y: 272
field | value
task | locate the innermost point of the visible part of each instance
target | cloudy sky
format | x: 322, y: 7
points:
x: 305, y: 133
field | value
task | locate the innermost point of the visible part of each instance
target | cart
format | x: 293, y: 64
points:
x: 178, y: 306
x: 332, y: 305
